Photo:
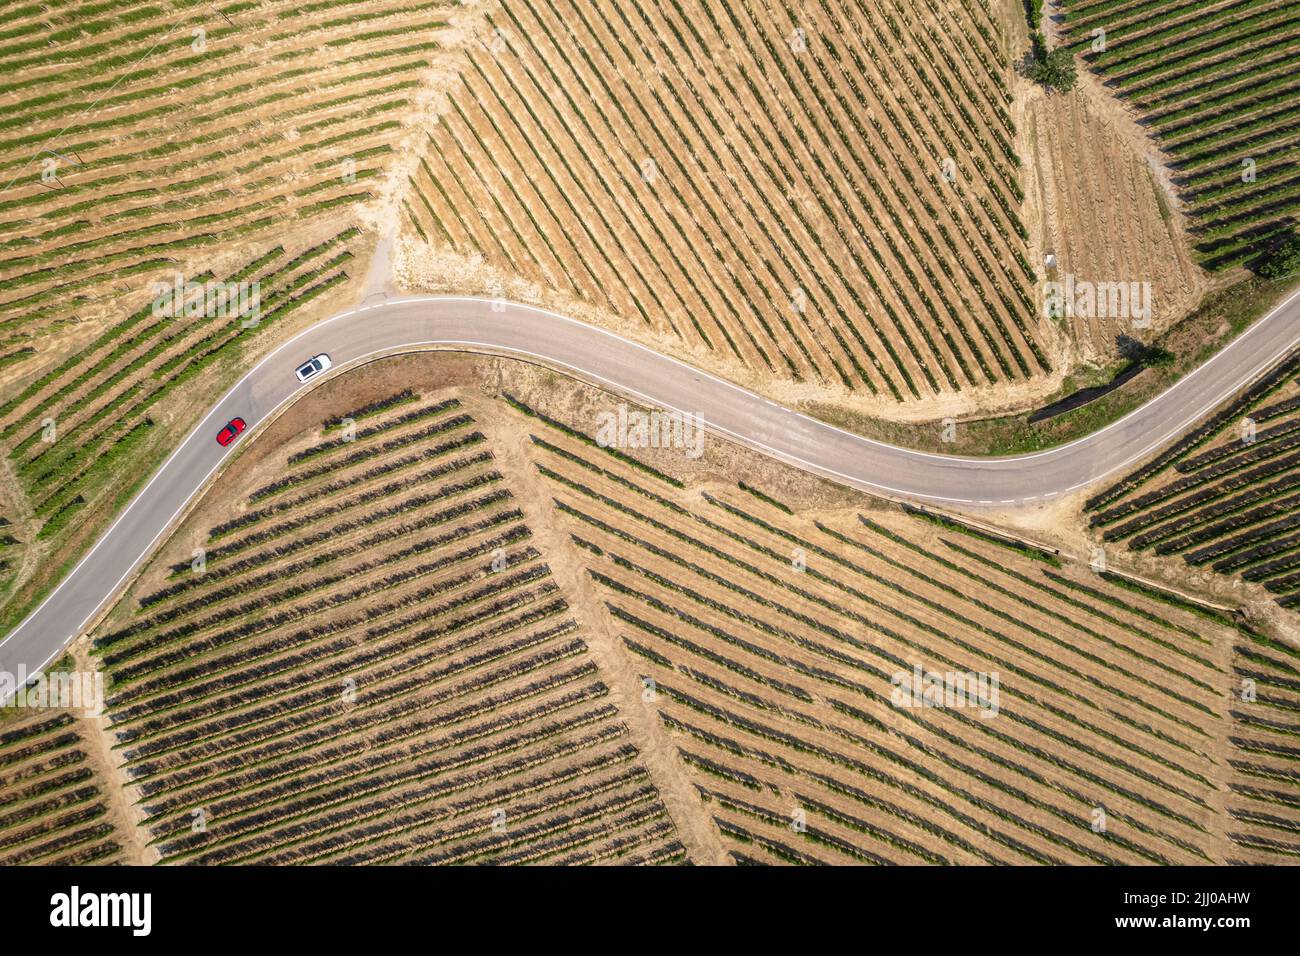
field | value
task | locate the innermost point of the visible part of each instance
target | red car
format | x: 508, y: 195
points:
x: 231, y: 431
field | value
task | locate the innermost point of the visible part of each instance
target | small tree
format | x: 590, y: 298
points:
x: 1055, y: 69
x: 1034, y: 11
x: 1283, y: 260
x: 1157, y: 356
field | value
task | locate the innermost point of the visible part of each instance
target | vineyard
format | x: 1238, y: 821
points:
x: 151, y: 137
x: 822, y: 201
x: 1215, y: 85
x: 426, y: 624
x: 1226, y: 496
x: 425, y: 617
x: 1263, y: 804
x: 371, y: 663
x: 137, y: 139
x: 53, y: 808
x: 145, y: 143
x: 650, y: 165
x: 768, y: 643
x: 78, y: 433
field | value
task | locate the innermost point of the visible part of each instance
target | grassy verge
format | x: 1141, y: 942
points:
x: 1220, y: 318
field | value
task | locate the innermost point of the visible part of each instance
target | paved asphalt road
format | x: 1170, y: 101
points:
x: 606, y: 359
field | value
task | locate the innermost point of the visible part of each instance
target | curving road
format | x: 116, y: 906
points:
x: 606, y: 359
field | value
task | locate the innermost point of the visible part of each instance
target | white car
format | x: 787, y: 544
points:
x: 313, y: 366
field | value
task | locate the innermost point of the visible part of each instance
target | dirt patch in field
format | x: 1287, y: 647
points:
x: 1106, y: 217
